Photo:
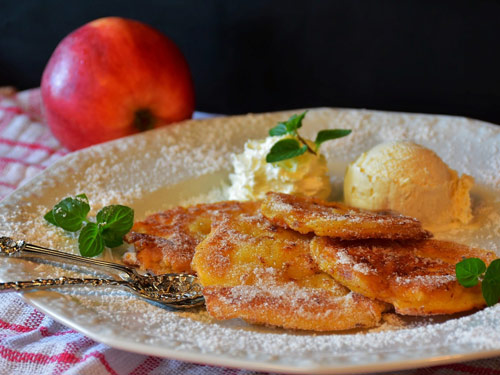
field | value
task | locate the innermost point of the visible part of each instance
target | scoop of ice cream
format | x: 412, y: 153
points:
x: 410, y: 179
x: 253, y: 177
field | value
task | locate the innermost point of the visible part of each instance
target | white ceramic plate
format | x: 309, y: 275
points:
x: 190, y: 162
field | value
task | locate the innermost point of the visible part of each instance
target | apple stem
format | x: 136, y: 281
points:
x: 144, y: 120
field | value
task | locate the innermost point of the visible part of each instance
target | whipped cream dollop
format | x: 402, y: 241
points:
x: 253, y: 177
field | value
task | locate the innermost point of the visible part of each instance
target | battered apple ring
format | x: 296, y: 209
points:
x: 311, y: 215
x: 417, y: 277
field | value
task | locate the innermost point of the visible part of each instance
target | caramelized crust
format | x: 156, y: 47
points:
x: 417, y: 277
x: 165, y: 242
x: 263, y: 273
x: 311, y: 215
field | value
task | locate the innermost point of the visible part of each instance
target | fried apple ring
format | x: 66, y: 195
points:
x: 311, y: 215
x: 165, y: 242
x: 417, y: 277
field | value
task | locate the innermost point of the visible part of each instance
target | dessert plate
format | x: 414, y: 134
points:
x: 189, y: 163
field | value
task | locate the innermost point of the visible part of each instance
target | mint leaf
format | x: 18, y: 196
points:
x: 491, y: 290
x: 288, y: 127
x: 279, y: 129
x: 90, y: 241
x: 285, y: 149
x: 116, y: 217
x: 115, y: 221
x: 326, y: 135
x: 82, y: 197
x: 469, y: 270
x: 49, y: 216
x: 491, y: 283
x: 112, y: 239
x: 295, y: 122
x: 493, y: 271
x: 70, y: 213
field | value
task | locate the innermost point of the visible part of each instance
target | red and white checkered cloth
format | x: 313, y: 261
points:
x: 32, y: 343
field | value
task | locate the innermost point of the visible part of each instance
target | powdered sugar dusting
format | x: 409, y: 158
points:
x: 343, y: 257
x: 430, y: 280
x: 154, y: 170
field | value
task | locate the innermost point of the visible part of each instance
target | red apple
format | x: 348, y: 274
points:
x: 114, y: 77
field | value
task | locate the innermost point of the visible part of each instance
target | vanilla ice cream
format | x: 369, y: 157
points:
x: 253, y: 177
x: 410, y: 179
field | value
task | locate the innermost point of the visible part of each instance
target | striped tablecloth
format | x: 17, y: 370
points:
x: 32, y: 343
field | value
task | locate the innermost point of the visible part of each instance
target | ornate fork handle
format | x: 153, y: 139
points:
x: 174, y: 290
x: 21, y: 249
x: 16, y: 286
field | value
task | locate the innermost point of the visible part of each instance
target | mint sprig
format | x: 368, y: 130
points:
x: 292, y: 147
x: 112, y: 223
x: 472, y: 270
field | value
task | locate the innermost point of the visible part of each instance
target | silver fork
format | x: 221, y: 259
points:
x: 173, y: 290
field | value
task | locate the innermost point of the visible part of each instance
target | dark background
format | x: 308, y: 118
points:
x: 253, y: 56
